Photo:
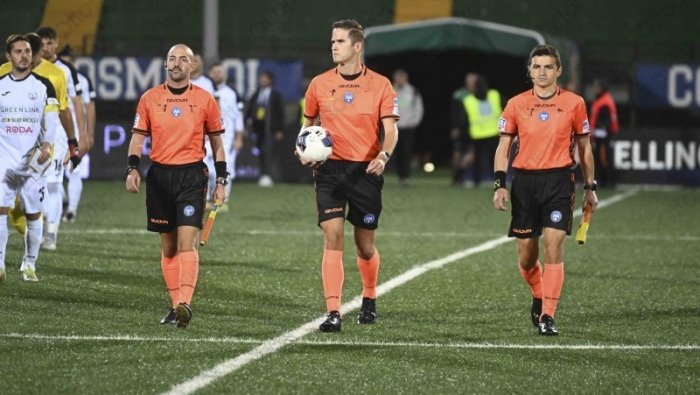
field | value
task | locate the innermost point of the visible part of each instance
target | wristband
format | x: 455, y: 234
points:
x: 593, y: 186
x: 133, y: 161
x: 73, y: 147
x: 499, y: 180
x: 220, y: 168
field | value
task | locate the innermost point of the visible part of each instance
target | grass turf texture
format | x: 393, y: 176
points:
x: 635, y: 282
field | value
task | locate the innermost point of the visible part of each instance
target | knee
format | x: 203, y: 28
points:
x: 365, y: 252
x: 333, y: 241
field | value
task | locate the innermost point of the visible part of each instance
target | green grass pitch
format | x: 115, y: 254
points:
x: 629, y: 316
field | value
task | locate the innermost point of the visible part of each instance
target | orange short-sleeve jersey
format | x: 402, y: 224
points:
x: 351, y: 110
x: 545, y: 129
x: 177, y: 124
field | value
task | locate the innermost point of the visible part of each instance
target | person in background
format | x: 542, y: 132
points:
x: 265, y: 117
x: 481, y: 110
x: 411, y: 110
x: 604, y: 126
x: 462, y: 150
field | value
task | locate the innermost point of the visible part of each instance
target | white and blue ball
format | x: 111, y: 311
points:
x: 314, y: 144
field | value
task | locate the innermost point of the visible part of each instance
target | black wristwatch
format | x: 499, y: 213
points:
x: 222, y: 181
x: 386, y: 154
x: 130, y: 168
x: 592, y: 186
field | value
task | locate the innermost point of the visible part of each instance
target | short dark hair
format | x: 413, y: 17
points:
x: 12, y: 39
x: 46, y: 32
x: 545, y: 50
x: 66, y: 51
x: 357, y: 33
x: 34, y: 42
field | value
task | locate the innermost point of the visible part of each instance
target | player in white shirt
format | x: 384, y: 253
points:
x: 231, y: 107
x: 198, y: 78
x: 27, y: 101
x: 77, y: 175
x: 53, y: 209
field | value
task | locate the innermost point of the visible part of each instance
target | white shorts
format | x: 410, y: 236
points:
x: 32, y: 191
x: 55, y: 172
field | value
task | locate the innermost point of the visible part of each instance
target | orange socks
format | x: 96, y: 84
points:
x: 333, y: 276
x: 552, y: 281
x: 369, y: 270
x: 189, y: 271
x: 533, y: 278
x: 171, y: 275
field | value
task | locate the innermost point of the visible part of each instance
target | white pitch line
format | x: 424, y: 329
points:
x: 373, y: 344
x: 272, y: 345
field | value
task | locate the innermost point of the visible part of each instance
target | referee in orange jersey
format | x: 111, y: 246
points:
x: 176, y: 116
x: 548, y: 121
x: 352, y: 103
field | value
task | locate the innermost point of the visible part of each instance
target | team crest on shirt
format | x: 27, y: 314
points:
x: 369, y: 219
x: 176, y: 111
x: 586, y: 127
x: 501, y: 124
x: 188, y: 210
x: 544, y: 115
x: 348, y: 97
x: 555, y: 216
x: 32, y: 96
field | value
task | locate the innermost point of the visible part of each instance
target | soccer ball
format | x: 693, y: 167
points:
x: 314, y: 144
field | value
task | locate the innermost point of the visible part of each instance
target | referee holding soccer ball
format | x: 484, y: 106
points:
x: 351, y: 102
x: 176, y: 116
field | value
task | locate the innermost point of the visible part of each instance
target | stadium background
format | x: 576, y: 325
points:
x: 647, y: 51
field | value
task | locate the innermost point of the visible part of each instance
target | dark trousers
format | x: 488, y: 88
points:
x: 484, y: 153
x: 404, y: 151
x: 261, y: 144
x: 603, y: 159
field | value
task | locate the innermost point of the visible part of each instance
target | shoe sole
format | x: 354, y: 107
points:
x: 182, y: 316
x: 329, y: 330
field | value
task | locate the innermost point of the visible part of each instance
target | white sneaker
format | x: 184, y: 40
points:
x: 265, y: 181
x: 49, y: 242
x: 29, y: 275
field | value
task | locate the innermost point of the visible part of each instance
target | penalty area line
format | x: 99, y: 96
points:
x: 272, y: 345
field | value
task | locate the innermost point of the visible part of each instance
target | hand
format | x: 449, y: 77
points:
x: 74, y: 153
x: 85, y: 146
x: 238, y: 142
x: 376, y: 166
x: 45, y: 153
x: 279, y: 136
x: 590, y: 200
x: 500, y: 196
x: 133, y: 180
x: 219, y: 194
x: 311, y: 164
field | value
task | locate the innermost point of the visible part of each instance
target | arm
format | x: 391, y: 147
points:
x: 91, y: 124
x: 133, y: 178
x: 585, y: 153
x: 500, y: 164
x: 80, y: 120
x: 391, y: 137
x: 218, y: 151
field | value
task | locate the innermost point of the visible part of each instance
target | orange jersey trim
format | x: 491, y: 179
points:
x: 545, y: 129
x: 177, y: 124
x: 352, y: 111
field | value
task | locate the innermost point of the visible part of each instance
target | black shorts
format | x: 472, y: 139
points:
x: 175, y: 196
x: 345, y: 186
x: 543, y: 199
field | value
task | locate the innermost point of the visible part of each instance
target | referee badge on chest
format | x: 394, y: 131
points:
x: 176, y: 112
x: 544, y: 115
x: 348, y: 97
